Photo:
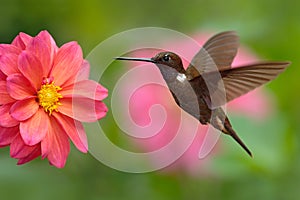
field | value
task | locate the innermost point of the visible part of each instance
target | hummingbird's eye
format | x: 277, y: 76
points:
x: 166, y: 57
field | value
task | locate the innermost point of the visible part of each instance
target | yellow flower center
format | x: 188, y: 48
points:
x: 48, y: 97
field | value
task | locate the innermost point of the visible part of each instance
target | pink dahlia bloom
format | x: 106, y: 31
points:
x: 45, y: 94
x: 254, y: 105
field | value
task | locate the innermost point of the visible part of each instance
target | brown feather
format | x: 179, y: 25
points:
x: 216, y: 54
x: 239, y: 81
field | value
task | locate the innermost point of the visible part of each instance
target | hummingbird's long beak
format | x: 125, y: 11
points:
x: 136, y: 59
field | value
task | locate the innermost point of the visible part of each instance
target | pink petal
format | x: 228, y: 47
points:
x: 84, y: 71
x: 86, y: 88
x: 35, y: 128
x: 83, y: 109
x: 9, y: 49
x: 47, y: 38
x: 31, y: 68
x: 44, y: 48
x: 9, y: 64
x: 2, y: 76
x: 18, y: 149
x: 7, y: 135
x: 74, y: 130
x: 5, y: 119
x: 24, y: 109
x: 60, y: 145
x: 4, y: 96
x: 19, y: 87
x: 34, y: 154
x: 21, y: 40
x: 46, y: 145
x: 67, y: 64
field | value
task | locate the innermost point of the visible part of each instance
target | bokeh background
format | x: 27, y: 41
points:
x: 270, y: 28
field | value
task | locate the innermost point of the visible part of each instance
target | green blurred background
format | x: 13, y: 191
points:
x: 271, y: 28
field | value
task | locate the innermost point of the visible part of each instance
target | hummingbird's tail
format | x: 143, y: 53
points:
x: 229, y: 131
x: 220, y: 121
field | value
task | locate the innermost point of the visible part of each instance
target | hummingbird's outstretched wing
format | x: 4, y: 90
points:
x: 216, y: 54
x: 239, y: 81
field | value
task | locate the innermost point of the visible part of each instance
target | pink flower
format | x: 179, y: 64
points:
x: 45, y: 94
x: 254, y: 104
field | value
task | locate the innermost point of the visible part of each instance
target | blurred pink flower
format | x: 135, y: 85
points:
x: 45, y: 94
x: 255, y: 104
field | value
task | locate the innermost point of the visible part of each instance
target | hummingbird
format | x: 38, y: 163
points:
x: 209, y: 81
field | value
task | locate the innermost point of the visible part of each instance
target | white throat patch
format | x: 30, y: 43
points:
x: 181, y: 77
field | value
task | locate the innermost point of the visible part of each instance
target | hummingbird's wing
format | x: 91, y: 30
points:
x: 239, y: 81
x: 216, y: 54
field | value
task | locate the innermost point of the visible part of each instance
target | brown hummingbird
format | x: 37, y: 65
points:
x: 209, y: 81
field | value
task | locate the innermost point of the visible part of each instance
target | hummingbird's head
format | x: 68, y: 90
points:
x: 168, y: 59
